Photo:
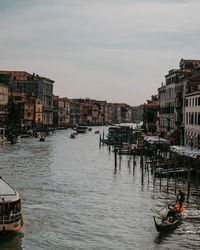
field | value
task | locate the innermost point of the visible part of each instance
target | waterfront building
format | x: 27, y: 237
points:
x: 171, y: 96
x: 95, y: 114
x: 38, y: 112
x: 21, y: 111
x: 93, y: 111
x: 75, y: 112
x: 192, y: 119
x: 41, y: 87
x: 125, y: 112
x: 134, y: 114
x: 108, y: 113
x: 66, y: 111
x: 61, y: 111
x: 116, y: 114
x: 192, y: 110
x: 3, y: 104
x: 3, y: 110
x: 137, y: 113
x: 150, y: 115
x: 87, y: 113
x: 101, y: 105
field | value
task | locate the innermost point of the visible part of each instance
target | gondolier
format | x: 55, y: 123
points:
x: 180, y: 200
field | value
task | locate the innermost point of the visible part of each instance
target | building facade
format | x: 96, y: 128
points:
x: 171, y: 101
x: 150, y: 115
x: 3, y: 104
x: 21, y: 111
x: 41, y: 87
x: 61, y: 113
x: 75, y: 113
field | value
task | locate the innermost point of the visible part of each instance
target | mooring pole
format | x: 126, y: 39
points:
x: 141, y: 165
x: 99, y: 140
x: 188, y: 182
x: 115, y: 157
x: 197, y: 177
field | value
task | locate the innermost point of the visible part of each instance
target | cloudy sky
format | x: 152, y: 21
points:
x: 114, y: 50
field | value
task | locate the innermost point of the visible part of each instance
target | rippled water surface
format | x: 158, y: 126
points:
x: 74, y: 198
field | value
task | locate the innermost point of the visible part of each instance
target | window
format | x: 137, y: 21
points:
x: 198, y: 118
x: 192, y: 118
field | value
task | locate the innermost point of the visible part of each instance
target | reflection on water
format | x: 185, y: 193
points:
x: 74, y: 197
x: 11, y: 241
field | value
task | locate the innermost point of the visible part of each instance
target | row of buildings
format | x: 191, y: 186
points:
x: 174, y: 113
x: 27, y: 101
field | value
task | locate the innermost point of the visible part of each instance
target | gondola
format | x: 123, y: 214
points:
x: 165, y: 227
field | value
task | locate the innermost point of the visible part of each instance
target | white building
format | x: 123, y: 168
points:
x: 192, y: 119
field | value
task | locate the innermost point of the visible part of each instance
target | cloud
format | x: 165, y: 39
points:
x: 124, y: 46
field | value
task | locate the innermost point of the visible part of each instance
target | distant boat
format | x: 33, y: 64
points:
x: 42, y: 136
x: 15, y: 139
x: 74, y: 135
x: 10, y: 208
x: 81, y: 129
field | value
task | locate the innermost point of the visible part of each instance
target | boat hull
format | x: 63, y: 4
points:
x: 11, y: 224
x: 167, y: 227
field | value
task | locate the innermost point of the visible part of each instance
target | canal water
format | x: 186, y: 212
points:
x: 74, y: 198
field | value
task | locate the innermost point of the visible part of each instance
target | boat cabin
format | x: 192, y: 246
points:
x: 10, y: 208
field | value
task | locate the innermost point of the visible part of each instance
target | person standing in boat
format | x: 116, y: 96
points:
x: 180, y: 200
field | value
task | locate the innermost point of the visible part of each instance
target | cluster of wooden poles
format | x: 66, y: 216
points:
x: 153, y: 156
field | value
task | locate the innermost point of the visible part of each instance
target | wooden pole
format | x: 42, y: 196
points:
x: 174, y: 168
x: 100, y: 141
x: 142, y: 168
x: 115, y: 158
x: 197, y: 177
x: 120, y: 161
x: 188, y: 181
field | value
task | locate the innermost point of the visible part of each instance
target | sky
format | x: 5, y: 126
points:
x: 113, y: 50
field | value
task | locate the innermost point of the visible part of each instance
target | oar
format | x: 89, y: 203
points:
x: 162, y: 208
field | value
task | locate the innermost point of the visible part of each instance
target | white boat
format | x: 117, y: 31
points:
x: 10, y: 208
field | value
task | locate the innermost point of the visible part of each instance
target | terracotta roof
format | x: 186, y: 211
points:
x: 190, y: 60
x: 23, y: 75
x: 153, y: 104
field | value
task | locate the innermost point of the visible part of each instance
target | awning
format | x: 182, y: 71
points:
x: 186, y: 151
